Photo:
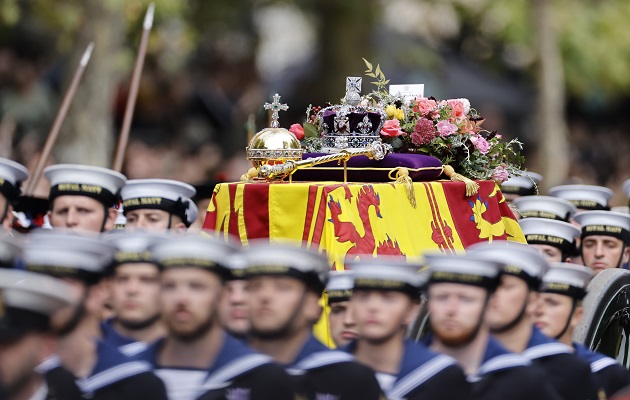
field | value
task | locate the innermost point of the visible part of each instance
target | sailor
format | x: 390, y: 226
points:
x: 102, y: 371
x: 343, y: 329
x: 510, y: 318
x: 134, y: 292
x: 234, y: 304
x: 554, y: 239
x: 158, y: 205
x: 83, y: 197
x: 26, y: 339
x: 197, y: 359
x: 385, y: 300
x: 524, y: 185
x: 12, y: 175
x: 559, y: 311
x: 285, y: 285
x: 459, y: 288
x: 547, y: 207
x: 584, y: 197
x: 605, y: 239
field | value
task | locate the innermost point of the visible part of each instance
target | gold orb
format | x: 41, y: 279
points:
x: 273, y: 145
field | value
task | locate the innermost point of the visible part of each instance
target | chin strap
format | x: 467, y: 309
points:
x: 515, y: 321
x: 566, y: 325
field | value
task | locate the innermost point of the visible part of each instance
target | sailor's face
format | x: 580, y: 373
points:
x: 278, y: 304
x: 151, y: 220
x: 506, y: 303
x: 343, y: 328
x: 552, y: 254
x: 456, y: 311
x: 381, y: 314
x: 135, y: 293
x: 234, y: 307
x: 600, y: 252
x: 78, y: 213
x: 17, y: 363
x: 552, y: 313
x: 189, y: 301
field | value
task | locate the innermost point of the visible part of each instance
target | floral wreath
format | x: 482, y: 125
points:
x: 449, y: 130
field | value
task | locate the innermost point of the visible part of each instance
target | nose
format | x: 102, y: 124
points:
x: 72, y: 218
x: 599, y: 250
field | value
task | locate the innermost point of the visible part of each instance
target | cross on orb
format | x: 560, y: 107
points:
x: 275, y: 107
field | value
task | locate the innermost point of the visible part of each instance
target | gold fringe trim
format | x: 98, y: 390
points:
x: 472, y: 187
x: 402, y: 176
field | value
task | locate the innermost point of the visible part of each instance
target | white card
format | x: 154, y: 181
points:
x: 407, y: 91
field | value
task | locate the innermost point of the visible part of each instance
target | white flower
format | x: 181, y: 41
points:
x: 466, y: 104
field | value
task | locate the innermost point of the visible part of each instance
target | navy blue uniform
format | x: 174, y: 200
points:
x: 126, y: 345
x: 505, y: 375
x: 237, y: 373
x: 424, y: 374
x: 609, y: 374
x: 569, y: 375
x: 322, y: 373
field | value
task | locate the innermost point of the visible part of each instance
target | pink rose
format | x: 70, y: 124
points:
x: 458, y: 108
x: 391, y: 128
x: 480, y: 143
x: 424, y: 106
x: 446, y: 128
x: 297, y: 130
x: 500, y: 174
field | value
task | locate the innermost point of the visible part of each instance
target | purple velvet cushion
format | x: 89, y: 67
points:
x: 362, y: 169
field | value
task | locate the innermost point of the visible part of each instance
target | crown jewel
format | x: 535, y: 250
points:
x: 350, y: 124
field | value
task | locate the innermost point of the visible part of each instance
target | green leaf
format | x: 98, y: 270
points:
x: 371, y: 75
x: 310, y: 130
x: 378, y: 70
x: 386, y: 82
x: 367, y: 64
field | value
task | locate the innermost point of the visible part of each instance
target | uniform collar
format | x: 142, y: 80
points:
x: 596, y: 360
x: 111, y: 367
x: 497, y: 358
x: 541, y: 346
x: 128, y: 346
x: 314, y: 354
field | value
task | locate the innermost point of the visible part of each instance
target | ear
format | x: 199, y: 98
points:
x: 577, y: 316
x: 532, y: 303
x: 7, y: 224
x: 111, y: 219
x: 626, y: 255
x: 312, y: 307
x: 412, y: 314
x: 98, y: 295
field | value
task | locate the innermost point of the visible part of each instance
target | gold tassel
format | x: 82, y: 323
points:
x: 249, y: 175
x: 402, y: 176
x: 472, y: 187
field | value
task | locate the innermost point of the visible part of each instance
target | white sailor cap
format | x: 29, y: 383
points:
x: 161, y: 194
x: 287, y: 259
x: 388, y: 273
x: 339, y: 286
x: 523, y: 185
x: 194, y: 250
x: 12, y: 175
x: 567, y: 279
x: 558, y: 234
x: 519, y: 259
x: 102, y: 184
x: 10, y: 249
x: 28, y: 300
x: 545, y: 207
x: 586, y: 197
x: 608, y: 223
x: 134, y: 246
x: 236, y: 265
x: 67, y: 254
x: 465, y: 269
